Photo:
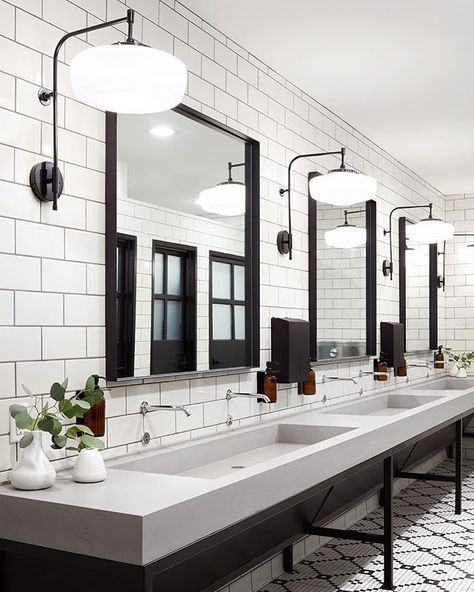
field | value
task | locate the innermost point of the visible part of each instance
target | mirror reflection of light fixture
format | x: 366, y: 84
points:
x: 428, y: 231
x: 125, y: 77
x: 338, y: 187
x: 346, y: 236
x: 226, y: 198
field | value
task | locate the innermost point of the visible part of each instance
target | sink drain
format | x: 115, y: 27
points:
x: 238, y: 467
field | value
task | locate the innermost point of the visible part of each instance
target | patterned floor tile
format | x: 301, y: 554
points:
x: 433, y: 549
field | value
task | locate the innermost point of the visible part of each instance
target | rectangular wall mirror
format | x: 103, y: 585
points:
x: 342, y: 283
x: 182, y: 245
x: 418, y: 291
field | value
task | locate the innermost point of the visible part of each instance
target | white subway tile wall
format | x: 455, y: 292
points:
x: 52, y: 263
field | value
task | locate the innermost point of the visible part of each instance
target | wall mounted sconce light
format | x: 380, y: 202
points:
x: 338, y: 187
x: 125, y: 77
x: 226, y: 198
x: 346, y: 236
x: 428, y: 231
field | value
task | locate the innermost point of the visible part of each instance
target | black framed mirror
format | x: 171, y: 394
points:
x: 418, y: 291
x: 342, y: 282
x: 182, y: 245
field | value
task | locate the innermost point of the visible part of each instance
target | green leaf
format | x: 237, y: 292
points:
x: 27, y: 390
x: 94, y: 397
x: 84, y: 429
x: 16, y: 409
x: 57, y: 427
x: 57, y: 391
x: 64, y: 405
x: 60, y: 441
x: 91, y: 442
x: 72, y: 448
x: 64, y: 383
x: 83, y: 404
x: 46, y: 424
x: 26, y: 440
x: 24, y: 421
x: 90, y: 384
x: 45, y: 408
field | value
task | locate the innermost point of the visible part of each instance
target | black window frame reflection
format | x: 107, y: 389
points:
x: 227, y: 353
x: 175, y: 355
x: 126, y: 260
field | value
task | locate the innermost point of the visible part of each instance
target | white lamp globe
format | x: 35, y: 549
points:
x: 346, y: 236
x: 342, y: 187
x: 430, y: 230
x: 128, y: 78
x: 225, y: 199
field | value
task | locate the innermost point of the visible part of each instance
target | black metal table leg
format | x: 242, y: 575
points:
x: 288, y: 559
x: 388, y: 522
x: 458, y: 468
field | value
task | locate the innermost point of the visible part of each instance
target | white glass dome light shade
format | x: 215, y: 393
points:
x: 342, y: 187
x: 346, y: 236
x: 128, y: 78
x: 225, y: 199
x: 430, y: 230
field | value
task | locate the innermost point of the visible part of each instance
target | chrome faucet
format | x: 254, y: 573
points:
x: 353, y: 379
x: 372, y: 373
x: 424, y: 364
x: 260, y: 398
x: 147, y: 408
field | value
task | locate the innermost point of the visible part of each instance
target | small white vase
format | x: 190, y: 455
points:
x: 453, y: 369
x: 461, y: 373
x: 89, y: 467
x: 33, y: 470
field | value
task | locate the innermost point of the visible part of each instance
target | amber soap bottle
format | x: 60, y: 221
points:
x: 270, y: 383
x: 439, y: 358
x: 308, y: 386
x: 94, y: 419
x: 382, y: 366
x: 402, y: 370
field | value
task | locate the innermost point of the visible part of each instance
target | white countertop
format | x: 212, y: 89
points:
x: 139, y: 517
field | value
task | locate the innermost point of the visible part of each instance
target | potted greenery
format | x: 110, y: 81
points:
x: 52, y: 415
x: 460, y: 364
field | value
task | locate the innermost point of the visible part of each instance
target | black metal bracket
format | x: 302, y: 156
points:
x: 284, y: 237
x: 456, y: 478
x: 46, y: 180
x: 385, y: 538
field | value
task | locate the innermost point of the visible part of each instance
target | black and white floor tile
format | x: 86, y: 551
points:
x: 433, y: 550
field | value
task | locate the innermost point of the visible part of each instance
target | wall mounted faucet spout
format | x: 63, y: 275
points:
x: 353, y: 379
x: 147, y: 408
x: 260, y: 398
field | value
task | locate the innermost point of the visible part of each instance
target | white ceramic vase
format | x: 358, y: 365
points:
x: 461, y: 373
x: 89, y: 467
x: 33, y: 470
x: 453, y: 369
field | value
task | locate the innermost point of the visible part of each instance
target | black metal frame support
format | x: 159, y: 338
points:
x: 385, y: 539
x: 387, y: 265
x: 285, y: 237
x: 46, y: 180
x: 456, y: 478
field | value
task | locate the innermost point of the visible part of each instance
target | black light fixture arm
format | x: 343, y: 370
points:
x: 387, y: 266
x: 231, y: 166
x: 285, y: 237
x: 44, y: 174
x: 351, y: 213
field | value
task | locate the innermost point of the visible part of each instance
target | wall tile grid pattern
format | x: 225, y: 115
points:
x: 460, y: 274
x: 52, y: 263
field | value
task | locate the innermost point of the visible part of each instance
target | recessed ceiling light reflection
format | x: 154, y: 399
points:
x: 162, y: 131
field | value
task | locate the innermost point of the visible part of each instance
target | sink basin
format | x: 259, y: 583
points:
x: 390, y: 404
x: 227, y: 454
x: 446, y: 384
